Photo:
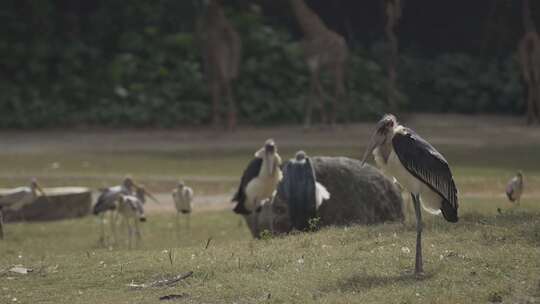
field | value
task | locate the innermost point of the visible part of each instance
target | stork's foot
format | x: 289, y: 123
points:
x: 420, y: 275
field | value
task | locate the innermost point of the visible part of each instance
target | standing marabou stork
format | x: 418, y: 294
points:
x: 259, y: 180
x: 514, y: 188
x: 300, y: 189
x: 107, y: 202
x: 418, y: 167
x: 131, y: 208
x: 182, y: 197
x: 17, y: 198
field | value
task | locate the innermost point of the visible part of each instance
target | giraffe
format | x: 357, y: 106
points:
x: 529, y: 57
x: 323, y: 49
x: 222, y: 50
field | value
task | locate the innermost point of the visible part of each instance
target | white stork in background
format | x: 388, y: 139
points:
x: 17, y: 198
x: 419, y: 168
x: 259, y: 180
x: 514, y: 188
x: 182, y: 197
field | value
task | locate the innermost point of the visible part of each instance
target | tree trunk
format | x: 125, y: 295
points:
x: 392, y: 10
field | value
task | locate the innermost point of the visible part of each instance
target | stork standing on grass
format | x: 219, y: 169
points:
x: 107, y: 202
x: 419, y: 168
x: 131, y: 209
x: 182, y: 196
x: 514, y: 188
x: 259, y: 179
x: 17, y: 198
x: 299, y: 187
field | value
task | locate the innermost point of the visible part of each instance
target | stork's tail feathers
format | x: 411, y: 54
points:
x: 142, y: 219
x: 241, y: 209
x: 321, y: 194
x: 449, y: 212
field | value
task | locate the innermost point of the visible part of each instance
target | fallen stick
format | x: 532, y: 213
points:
x: 164, y: 282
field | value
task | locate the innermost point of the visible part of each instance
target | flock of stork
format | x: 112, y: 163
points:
x: 125, y: 202
x: 401, y: 154
x: 398, y: 151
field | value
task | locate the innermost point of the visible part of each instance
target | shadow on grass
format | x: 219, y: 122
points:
x: 359, y: 282
x: 520, y: 225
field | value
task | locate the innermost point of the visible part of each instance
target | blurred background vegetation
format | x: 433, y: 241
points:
x: 138, y: 63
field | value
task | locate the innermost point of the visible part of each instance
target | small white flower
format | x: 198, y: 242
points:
x: 405, y: 250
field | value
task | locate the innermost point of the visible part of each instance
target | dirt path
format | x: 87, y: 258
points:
x: 440, y: 129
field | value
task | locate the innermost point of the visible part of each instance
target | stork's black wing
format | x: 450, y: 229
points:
x: 251, y: 172
x: 298, y: 190
x: 427, y: 164
x: 105, y: 202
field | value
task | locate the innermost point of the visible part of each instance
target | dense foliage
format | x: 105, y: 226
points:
x: 107, y: 63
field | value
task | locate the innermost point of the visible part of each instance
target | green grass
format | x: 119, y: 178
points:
x: 482, y: 257
x: 488, y: 256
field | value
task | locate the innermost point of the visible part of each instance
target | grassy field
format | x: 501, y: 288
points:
x: 487, y: 257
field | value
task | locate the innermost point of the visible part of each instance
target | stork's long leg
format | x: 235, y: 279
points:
x: 177, y: 224
x: 188, y: 217
x: 113, y: 225
x: 137, y: 232
x: 130, y: 232
x: 102, y: 228
x: 418, y: 266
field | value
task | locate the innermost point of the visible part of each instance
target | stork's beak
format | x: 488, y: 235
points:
x: 373, y: 143
x: 270, y: 153
x: 41, y: 191
x: 152, y: 197
x: 270, y: 162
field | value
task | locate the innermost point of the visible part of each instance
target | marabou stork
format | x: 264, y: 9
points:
x: 514, y: 188
x: 419, y: 168
x: 17, y: 198
x: 130, y: 207
x: 259, y: 180
x: 300, y: 189
x: 182, y: 197
x: 107, y: 202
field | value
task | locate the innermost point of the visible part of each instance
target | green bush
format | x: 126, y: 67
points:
x: 134, y: 67
x: 139, y: 64
x: 462, y: 83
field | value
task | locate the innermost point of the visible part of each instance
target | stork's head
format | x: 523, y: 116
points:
x: 128, y: 183
x: 300, y: 155
x: 35, y: 187
x: 180, y: 185
x: 269, y: 155
x: 383, y: 132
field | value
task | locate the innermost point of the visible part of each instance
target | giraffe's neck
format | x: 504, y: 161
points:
x: 309, y: 22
